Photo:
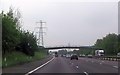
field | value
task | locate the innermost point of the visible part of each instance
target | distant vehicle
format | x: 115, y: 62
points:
x: 74, y: 57
x: 82, y: 55
x: 64, y: 55
x: 118, y: 54
x: 68, y: 55
x: 56, y: 54
x: 89, y: 56
x: 99, y: 52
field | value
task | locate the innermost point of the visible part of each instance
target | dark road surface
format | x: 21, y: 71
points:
x: 83, y: 65
x: 65, y: 65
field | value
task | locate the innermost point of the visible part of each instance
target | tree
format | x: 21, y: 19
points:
x: 99, y: 43
x: 10, y: 35
x: 15, y: 39
x: 109, y: 44
x: 28, y: 43
x: 119, y: 43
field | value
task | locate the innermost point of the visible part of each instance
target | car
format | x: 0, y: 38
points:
x: 63, y: 55
x: 82, y: 55
x: 118, y: 54
x: 74, y: 57
x: 56, y: 55
x: 68, y: 56
x: 90, y: 56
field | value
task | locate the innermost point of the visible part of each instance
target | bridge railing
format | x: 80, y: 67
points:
x: 66, y: 46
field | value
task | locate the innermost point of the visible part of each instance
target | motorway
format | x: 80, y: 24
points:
x: 53, y: 65
x: 83, y: 65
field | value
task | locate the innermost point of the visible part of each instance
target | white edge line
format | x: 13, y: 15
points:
x: 86, y: 73
x: 115, y: 66
x: 39, y: 67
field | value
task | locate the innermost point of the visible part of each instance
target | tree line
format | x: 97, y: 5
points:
x: 13, y: 37
x: 110, y: 43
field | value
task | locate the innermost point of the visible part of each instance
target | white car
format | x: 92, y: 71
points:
x: 82, y: 55
x: 90, y: 56
x: 68, y: 55
x: 118, y: 54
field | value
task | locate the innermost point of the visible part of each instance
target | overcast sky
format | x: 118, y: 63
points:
x: 77, y: 22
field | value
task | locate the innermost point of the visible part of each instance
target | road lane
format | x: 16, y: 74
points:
x: 65, y: 65
x: 58, y: 65
x: 94, y: 67
x: 112, y: 63
x: 83, y: 65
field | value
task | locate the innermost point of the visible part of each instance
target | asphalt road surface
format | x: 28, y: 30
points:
x: 85, y: 66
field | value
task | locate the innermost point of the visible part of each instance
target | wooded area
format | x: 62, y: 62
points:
x: 110, y: 43
x: 13, y: 37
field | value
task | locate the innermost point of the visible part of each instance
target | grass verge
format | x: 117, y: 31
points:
x: 15, y: 58
x: 0, y: 62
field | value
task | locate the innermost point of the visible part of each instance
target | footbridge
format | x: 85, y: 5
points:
x: 71, y: 47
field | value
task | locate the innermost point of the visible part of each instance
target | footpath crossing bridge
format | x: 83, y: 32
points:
x: 71, y: 47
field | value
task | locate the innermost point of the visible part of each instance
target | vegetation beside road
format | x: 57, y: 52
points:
x: 15, y: 58
x: 18, y: 45
x: 110, y: 43
x: 0, y: 61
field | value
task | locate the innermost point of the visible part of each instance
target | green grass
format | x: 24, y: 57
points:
x: 0, y: 62
x: 20, y: 58
x: 39, y: 55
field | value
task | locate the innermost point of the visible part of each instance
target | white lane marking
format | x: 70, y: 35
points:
x: 100, y: 63
x: 40, y: 66
x: 86, y: 73
x: 77, y: 67
x: 115, y: 66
